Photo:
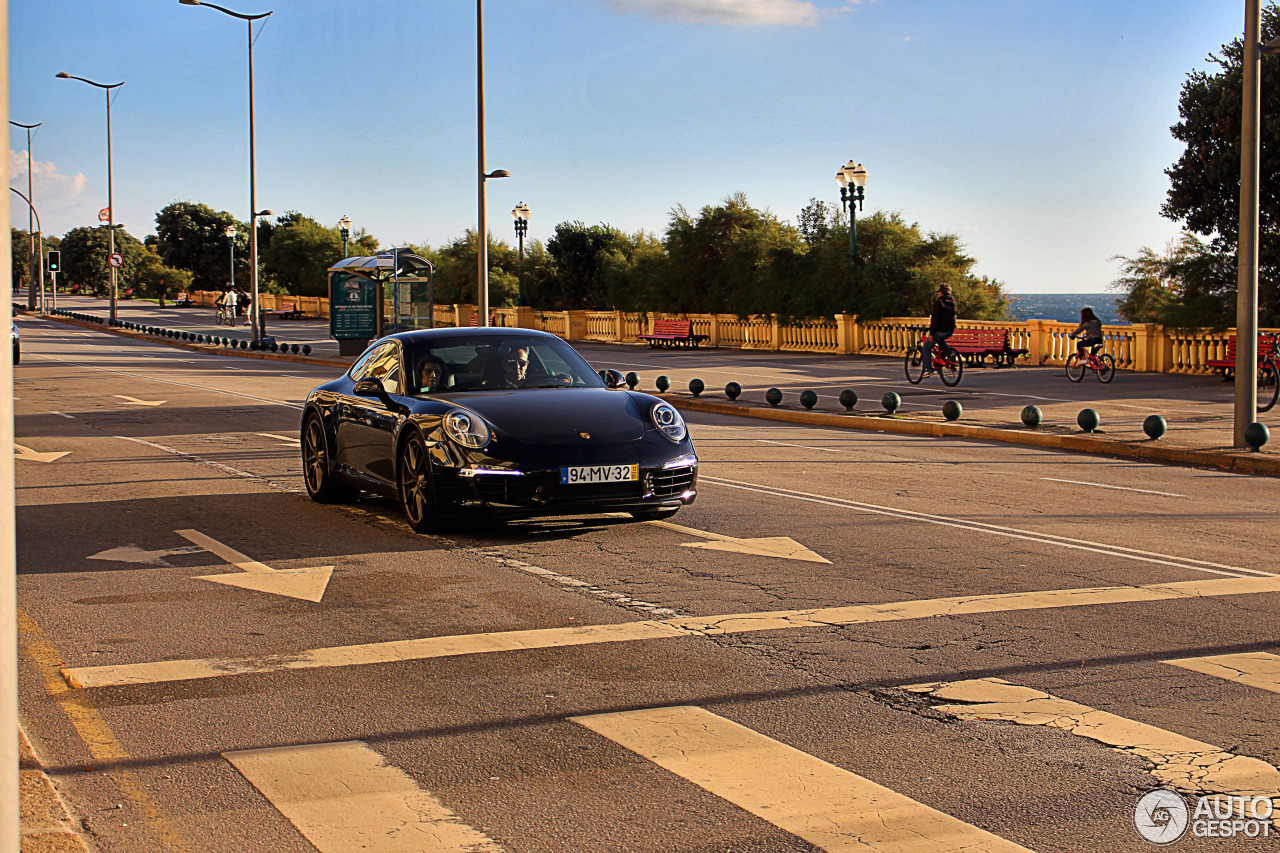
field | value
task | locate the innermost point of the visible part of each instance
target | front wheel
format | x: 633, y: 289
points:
x: 417, y: 494
x: 951, y: 372
x: 1107, y: 371
x: 1268, y: 384
x: 1075, y: 367
x: 914, y: 365
x: 316, y: 473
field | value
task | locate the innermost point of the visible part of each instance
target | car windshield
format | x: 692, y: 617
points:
x: 487, y: 363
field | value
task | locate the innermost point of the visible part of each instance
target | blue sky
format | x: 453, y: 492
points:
x: 1038, y: 131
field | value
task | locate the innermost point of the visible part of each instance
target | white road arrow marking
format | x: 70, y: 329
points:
x: 306, y: 584
x: 138, y: 402
x: 783, y: 547
x: 134, y: 554
x: 20, y: 452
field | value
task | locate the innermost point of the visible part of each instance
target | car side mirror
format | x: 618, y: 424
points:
x: 613, y: 378
x: 370, y: 387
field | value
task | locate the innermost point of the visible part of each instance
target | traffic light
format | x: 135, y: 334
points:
x: 55, y: 261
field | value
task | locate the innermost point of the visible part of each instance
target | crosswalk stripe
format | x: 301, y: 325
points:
x: 826, y: 805
x: 1182, y: 763
x: 684, y: 626
x: 343, y: 797
x: 1256, y: 669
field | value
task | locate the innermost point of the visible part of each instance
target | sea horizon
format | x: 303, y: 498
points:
x: 1065, y: 307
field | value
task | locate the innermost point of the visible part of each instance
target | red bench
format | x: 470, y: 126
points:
x: 1266, y: 347
x: 673, y: 333
x: 976, y: 345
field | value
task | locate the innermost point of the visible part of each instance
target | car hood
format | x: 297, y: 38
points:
x: 560, y: 415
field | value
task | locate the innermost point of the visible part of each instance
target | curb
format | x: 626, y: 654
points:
x: 46, y: 824
x: 1252, y: 463
x: 204, y: 348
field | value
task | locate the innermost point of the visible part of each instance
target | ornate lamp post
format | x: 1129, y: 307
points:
x: 344, y: 228
x: 852, y: 178
x: 520, y: 213
x: 111, y: 209
x: 255, y: 321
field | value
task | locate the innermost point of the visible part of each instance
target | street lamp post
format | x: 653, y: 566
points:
x: 852, y: 178
x: 111, y: 208
x: 344, y: 228
x: 40, y: 250
x: 32, y: 258
x: 482, y: 232
x: 231, y: 240
x: 255, y: 321
x: 520, y: 213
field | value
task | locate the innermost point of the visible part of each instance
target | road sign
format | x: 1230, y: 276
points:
x: 104, y: 215
x: 116, y: 260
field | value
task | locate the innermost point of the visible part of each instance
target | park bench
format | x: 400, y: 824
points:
x: 672, y: 333
x: 128, y: 294
x: 1227, y: 366
x: 977, y: 345
x: 183, y: 300
x: 287, y: 311
x: 75, y: 289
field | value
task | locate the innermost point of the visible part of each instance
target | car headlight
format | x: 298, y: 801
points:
x: 466, y: 428
x: 669, y: 423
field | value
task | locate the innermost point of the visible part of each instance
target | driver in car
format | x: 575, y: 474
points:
x: 516, y: 367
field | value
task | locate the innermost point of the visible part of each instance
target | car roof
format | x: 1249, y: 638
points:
x: 433, y: 335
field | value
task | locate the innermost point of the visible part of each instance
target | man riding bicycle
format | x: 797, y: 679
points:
x: 942, y: 325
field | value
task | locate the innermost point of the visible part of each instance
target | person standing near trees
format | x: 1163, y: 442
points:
x: 942, y: 325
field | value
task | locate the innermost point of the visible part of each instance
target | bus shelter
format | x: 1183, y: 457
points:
x: 376, y: 295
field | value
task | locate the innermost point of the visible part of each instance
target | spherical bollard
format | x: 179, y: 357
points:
x: 696, y: 386
x: 1154, y: 426
x: 773, y: 396
x: 1088, y: 420
x: 306, y: 349
x: 808, y: 399
x: 1256, y: 435
x: 293, y: 348
x: 275, y: 347
x: 1032, y: 416
x: 891, y: 402
x: 951, y: 410
x: 662, y: 383
x: 244, y: 344
x: 848, y: 399
x: 633, y: 379
x: 732, y: 390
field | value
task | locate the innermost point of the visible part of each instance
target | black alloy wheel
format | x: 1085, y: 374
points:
x: 417, y: 494
x: 315, y: 464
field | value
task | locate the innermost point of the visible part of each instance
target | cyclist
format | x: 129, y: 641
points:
x: 1089, y: 331
x: 942, y: 325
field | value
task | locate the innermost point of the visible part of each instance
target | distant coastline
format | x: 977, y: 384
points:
x: 1064, y: 307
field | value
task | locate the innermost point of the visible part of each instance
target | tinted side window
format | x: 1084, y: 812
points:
x: 386, y: 366
x: 361, y: 368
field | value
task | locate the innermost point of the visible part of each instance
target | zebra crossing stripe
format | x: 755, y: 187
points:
x: 343, y: 798
x: 825, y: 805
x: 1181, y: 763
x: 1256, y: 669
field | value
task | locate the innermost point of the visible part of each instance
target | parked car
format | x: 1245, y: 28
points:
x: 511, y: 421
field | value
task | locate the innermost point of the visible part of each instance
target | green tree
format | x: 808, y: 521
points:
x: 84, y: 258
x: 578, y: 253
x: 151, y: 274
x: 193, y: 237
x: 1205, y: 181
x: 1182, y: 286
x: 458, y: 266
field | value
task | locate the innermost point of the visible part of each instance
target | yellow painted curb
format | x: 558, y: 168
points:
x: 1253, y: 463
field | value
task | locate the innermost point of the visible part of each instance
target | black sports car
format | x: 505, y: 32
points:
x: 509, y: 420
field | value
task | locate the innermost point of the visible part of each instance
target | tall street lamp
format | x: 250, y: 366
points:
x: 231, y: 240
x: 344, y: 228
x: 482, y: 233
x: 852, y: 178
x: 520, y: 213
x: 111, y: 208
x: 255, y: 322
x: 31, y: 275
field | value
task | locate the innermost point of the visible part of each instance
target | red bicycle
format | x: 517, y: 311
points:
x: 1102, y: 364
x: 947, y: 363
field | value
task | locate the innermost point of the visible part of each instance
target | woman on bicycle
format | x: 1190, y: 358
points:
x: 942, y: 325
x: 1089, y: 331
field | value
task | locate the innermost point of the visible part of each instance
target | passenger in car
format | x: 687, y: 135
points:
x: 430, y: 375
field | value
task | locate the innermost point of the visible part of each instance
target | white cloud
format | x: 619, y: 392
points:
x: 59, y: 198
x: 742, y: 13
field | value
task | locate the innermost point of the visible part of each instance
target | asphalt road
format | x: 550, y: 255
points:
x: 922, y: 644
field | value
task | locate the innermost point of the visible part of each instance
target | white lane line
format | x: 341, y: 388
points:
x: 1256, y: 669
x: 1105, y: 486
x: 826, y: 805
x: 683, y: 627
x: 344, y: 797
x: 618, y: 598
x: 802, y: 446
x: 994, y: 529
x: 283, y: 438
x: 235, y: 472
x: 60, y: 414
x: 1186, y: 765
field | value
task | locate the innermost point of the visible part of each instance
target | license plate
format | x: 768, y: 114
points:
x: 600, y: 474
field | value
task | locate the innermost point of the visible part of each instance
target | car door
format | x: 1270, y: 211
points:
x: 365, y: 425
